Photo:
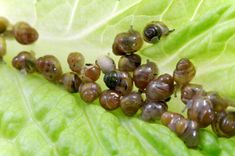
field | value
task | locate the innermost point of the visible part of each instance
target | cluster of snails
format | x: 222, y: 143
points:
x: 153, y: 90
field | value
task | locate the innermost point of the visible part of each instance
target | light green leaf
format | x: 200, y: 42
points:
x: 40, y: 118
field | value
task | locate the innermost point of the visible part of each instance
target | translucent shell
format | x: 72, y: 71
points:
x: 161, y: 88
x: 131, y: 103
x: 110, y: 99
x: 71, y: 82
x: 24, y: 33
x: 106, y: 64
x: 201, y: 111
x: 224, y: 124
x: 76, y: 61
x: 89, y: 92
x: 187, y: 130
x: 25, y: 61
x: 129, y: 62
x: 49, y: 66
x: 184, y: 72
x: 127, y: 42
x: 153, y: 110
x: 144, y: 74
x: 119, y: 81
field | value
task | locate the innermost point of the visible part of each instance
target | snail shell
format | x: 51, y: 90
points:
x: 89, y: 91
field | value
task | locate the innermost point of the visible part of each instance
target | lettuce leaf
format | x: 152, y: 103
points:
x: 40, y: 118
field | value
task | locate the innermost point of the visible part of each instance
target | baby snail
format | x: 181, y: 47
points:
x: 129, y: 62
x: 90, y: 73
x: 89, y: 92
x: 184, y: 72
x: 155, y: 30
x: 71, y: 82
x: 187, y: 130
x: 49, y: 66
x: 144, y: 74
x: 224, y: 124
x: 24, y: 33
x: 106, y: 64
x: 3, y: 47
x: 190, y: 91
x: 161, y: 88
x: 127, y: 42
x: 201, y: 111
x: 25, y: 61
x: 110, y: 99
x: 76, y: 61
x: 131, y: 103
x: 119, y: 81
x: 153, y: 110
x: 4, y: 23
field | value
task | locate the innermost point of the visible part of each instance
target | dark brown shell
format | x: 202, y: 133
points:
x: 110, y: 99
x: 153, y: 110
x: 224, y: 124
x: 89, y: 92
x: 219, y: 104
x: 127, y: 42
x: 131, y: 103
x: 25, y: 61
x: 76, y: 61
x: 161, y: 88
x: 49, y: 66
x: 184, y: 72
x: 144, y: 74
x: 24, y: 33
x: 71, y: 82
x: 201, y: 111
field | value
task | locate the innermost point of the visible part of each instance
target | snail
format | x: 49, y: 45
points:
x: 129, y: 62
x: 153, y: 110
x: 143, y: 74
x: 110, y: 99
x: 3, y: 47
x: 89, y: 92
x: 187, y: 130
x: 90, y: 72
x: 71, y: 82
x: 161, y: 88
x: 24, y: 33
x: 119, y: 81
x: 131, y: 103
x: 106, y: 64
x: 25, y: 61
x: 155, y: 30
x: 76, y: 61
x: 4, y: 23
x: 49, y: 66
x: 224, y: 124
x: 127, y: 42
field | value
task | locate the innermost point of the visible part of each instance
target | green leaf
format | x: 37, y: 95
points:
x: 40, y: 118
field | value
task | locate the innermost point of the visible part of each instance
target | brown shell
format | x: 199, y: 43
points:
x: 3, y: 47
x: 76, y: 61
x: 49, y: 66
x: 90, y: 73
x: 129, y: 62
x: 161, y: 88
x: 71, y: 82
x: 89, y: 92
x: 201, y: 111
x: 24, y: 33
x: 131, y: 103
x: 127, y: 42
x: 3, y: 24
x: 144, y: 74
x: 224, y: 124
x: 25, y: 61
x: 219, y: 104
x: 184, y: 72
x: 110, y: 99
